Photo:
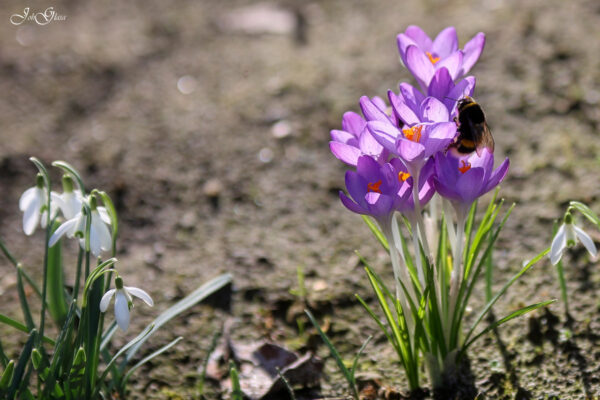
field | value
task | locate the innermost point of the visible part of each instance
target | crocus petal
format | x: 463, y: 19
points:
x: 379, y: 205
x: 420, y: 66
x: 106, y: 300
x: 368, y: 145
x: 122, y: 310
x: 559, y: 243
x: 406, y: 114
x: 441, y: 84
x: 345, y: 153
x: 356, y: 187
x: 462, y: 89
x: 350, y: 205
x: 472, y: 51
x: 403, y: 42
x: 438, y: 137
x: 586, y: 240
x: 433, y: 110
x: 445, y: 190
x: 65, y: 227
x: 139, y: 293
x: 27, y: 197
x: 419, y: 37
x: 410, y: 151
x: 498, y: 175
x: 469, y: 185
x: 453, y: 63
x: 385, y: 133
x: 445, y: 43
x: 353, y: 123
x: 371, y: 111
x: 343, y: 137
x: 412, y: 96
x: 31, y: 216
x: 379, y: 103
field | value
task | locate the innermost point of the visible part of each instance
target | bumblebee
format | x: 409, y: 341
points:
x: 473, y: 131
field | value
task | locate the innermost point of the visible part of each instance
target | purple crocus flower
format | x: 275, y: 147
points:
x: 406, y: 204
x: 354, y: 139
x: 463, y: 179
x: 423, y: 56
x: 373, y: 189
x: 443, y: 88
x: 428, y: 130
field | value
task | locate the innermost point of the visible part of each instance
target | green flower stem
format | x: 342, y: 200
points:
x: 78, y: 274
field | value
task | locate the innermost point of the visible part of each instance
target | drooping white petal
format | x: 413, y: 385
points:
x: 70, y: 204
x: 31, y: 216
x: 79, y: 226
x: 121, y: 310
x: 587, y: 241
x: 558, y: 245
x: 137, y: 292
x: 66, y: 227
x: 100, y: 239
x: 104, y: 215
x: 104, y: 302
x: 26, y: 198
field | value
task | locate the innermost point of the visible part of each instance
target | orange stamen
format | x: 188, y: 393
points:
x: 374, y: 187
x: 403, y: 176
x: 465, y: 166
x: 413, y: 133
x: 432, y: 58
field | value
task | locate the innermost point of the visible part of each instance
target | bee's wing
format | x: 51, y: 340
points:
x: 486, y: 140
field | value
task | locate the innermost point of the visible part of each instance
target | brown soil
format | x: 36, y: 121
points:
x: 204, y: 186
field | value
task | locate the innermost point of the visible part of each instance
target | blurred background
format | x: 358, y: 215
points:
x: 208, y: 124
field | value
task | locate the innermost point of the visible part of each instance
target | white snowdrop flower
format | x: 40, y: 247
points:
x: 567, y: 236
x: 100, y: 237
x: 70, y: 201
x: 34, y: 204
x: 123, y: 301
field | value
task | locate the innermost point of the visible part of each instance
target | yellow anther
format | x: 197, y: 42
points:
x: 413, y: 133
x: 374, y: 187
x: 432, y: 58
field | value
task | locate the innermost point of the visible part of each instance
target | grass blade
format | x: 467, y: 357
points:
x: 503, y: 290
x: 360, y: 351
x: 19, y: 326
x: 148, y: 358
x: 22, y: 364
x: 514, y: 314
x: 333, y: 351
x: 23, y: 301
x: 378, y: 234
x: 236, y: 389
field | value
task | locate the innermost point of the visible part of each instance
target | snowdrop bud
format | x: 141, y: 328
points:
x: 67, y: 183
x: 7, y: 375
x: 36, y: 358
x: 80, y: 357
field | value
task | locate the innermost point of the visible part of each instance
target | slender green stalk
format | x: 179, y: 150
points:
x: 78, y: 274
x: 563, y: 285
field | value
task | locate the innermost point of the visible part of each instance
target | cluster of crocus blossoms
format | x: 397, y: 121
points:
x: 394, y: 147
x: 403, y: 157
